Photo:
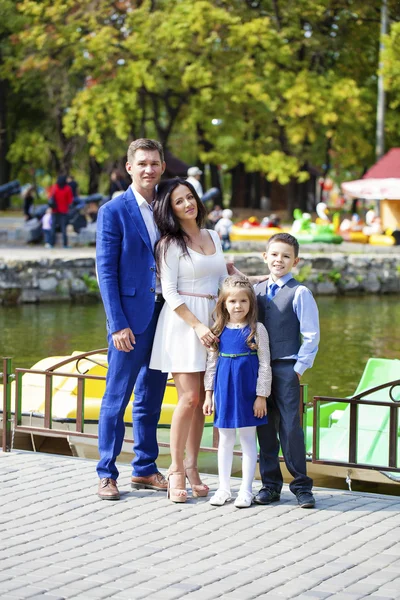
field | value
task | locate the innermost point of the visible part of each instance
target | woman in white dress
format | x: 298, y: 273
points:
x: 191, y: 266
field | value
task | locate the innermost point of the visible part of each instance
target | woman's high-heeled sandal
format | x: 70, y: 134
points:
x: 199, y: 490
x: 176, y: 494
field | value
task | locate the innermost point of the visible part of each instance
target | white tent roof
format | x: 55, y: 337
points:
x: 373, y: 189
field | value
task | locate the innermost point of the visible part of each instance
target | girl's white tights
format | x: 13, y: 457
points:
x: 227, y: 437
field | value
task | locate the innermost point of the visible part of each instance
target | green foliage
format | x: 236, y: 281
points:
x: 271, y: 85
x: 391, y: 73
x: 304, y: 273
x: 31, y: 147
x: 334, y: 276
x: 91, y: 283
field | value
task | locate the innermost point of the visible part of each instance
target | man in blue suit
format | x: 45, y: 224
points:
x: 131, y: 293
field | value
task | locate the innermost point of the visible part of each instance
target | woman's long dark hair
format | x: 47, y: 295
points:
x: 167, y: 223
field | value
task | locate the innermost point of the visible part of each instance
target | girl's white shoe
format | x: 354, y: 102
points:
x: 220, y: 498
x: 244, y: 500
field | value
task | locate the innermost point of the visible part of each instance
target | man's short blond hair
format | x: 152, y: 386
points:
x: 144, y: 144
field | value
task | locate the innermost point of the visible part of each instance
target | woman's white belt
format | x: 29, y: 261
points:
x: 209, y: 296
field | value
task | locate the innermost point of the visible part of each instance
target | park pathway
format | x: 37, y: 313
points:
x: 58, y: 540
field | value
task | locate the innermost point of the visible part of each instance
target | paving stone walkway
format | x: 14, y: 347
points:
x: 59, y: 541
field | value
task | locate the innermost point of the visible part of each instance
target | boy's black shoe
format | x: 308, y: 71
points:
x: 266, y: 496
x: 305, y: 499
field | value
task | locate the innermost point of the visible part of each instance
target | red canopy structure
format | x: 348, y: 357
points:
x: 381, y: 182
x: 387, y: 167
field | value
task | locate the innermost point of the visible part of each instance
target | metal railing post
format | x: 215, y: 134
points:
x: 6, y: 376
x: 80, y: 406
x: 393, y: 435
x: 353, y: 433
x: 316, y: 436
x: 303, y: 408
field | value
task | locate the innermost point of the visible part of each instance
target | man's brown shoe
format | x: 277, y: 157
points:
x: 108, y: 489
x: 156, y: 481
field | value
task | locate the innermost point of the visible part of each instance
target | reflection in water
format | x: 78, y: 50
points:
x: 32, y: 332
x: 353, y: 329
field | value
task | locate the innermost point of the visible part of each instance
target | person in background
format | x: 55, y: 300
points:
x: 355, y: 205
x: 46, y: 226
x: 194, y: 174
x: 223, y: 228
x: 118, y: 184
x: 28, y: 199
x: 215, y: 215
x: 73, y: 185
x: 239, y: 373
x: 275, y: 221
x: 61, y: 200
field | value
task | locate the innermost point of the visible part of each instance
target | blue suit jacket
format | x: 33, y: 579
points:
x: 125, y: 263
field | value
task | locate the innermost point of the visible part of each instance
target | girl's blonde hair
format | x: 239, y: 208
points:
x: 230, y: 285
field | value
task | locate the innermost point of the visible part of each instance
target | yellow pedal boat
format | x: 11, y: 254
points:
x: 65, y: 390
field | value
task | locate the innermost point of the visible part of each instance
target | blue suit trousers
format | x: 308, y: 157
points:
x: 128, y: 370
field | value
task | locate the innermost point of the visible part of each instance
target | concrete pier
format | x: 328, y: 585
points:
x: 59, y: 541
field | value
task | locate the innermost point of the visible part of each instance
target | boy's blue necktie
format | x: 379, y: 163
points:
x: 272, y: 290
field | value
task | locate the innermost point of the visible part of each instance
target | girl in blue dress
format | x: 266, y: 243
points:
x: 238, y: 373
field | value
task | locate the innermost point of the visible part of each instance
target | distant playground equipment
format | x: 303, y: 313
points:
x: 252, y: 230
x: 370, y: 232
x: 325, y: 229
x: 306, y: 231
x: 303, y: 229
x: 6, y: 191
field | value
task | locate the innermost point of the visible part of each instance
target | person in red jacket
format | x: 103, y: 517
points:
x: 61, y: 199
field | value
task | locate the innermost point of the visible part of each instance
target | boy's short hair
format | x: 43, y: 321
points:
x: 286, y: 238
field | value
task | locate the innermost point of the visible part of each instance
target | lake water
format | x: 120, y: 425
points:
x: 353, y: 329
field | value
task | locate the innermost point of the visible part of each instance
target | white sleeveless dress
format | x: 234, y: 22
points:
x: 176, y: 347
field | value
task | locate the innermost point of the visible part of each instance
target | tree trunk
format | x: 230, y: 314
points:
x: 253, y: 189
x: 94, y: 175
x: 291, y: 198
x: 215, y: 177
x: 67, y: 146
x: 238, y: 197
x: 214, y: 171
x: 5, y: 167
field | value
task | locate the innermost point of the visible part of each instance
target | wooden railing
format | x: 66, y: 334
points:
x: 12, y: 420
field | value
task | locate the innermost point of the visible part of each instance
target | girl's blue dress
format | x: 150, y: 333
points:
x: 235, y: 382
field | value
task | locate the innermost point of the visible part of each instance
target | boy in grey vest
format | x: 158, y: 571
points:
x: 290, y: 315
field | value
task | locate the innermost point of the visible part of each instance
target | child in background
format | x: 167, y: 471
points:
x: 223, y: 228
x: 239, y: 372
x: 46, y: 226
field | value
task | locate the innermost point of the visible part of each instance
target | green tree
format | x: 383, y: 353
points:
x: 391, y: 73
x: 259, y: 86
x: 9, y: 24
